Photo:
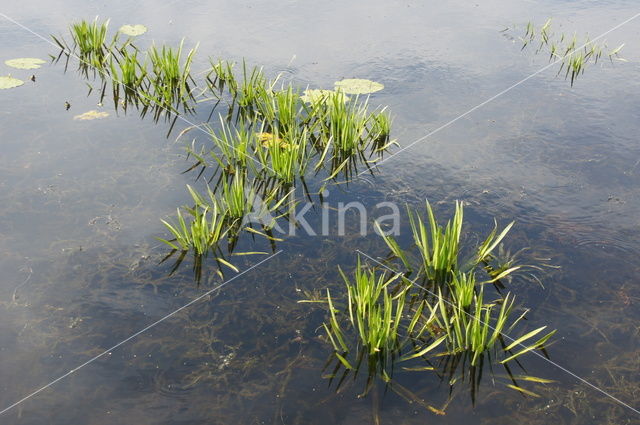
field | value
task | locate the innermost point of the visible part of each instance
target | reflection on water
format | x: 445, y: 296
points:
x: 80, y: 266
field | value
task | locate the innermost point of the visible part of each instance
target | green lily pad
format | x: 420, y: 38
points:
x: 133, y: 30
x: 358, y: 86
x: 91, y: 115
x: 10, y: 82
x: 315, y: 95
x: 25, y: 63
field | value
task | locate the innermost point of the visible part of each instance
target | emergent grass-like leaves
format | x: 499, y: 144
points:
x: 380, y: 316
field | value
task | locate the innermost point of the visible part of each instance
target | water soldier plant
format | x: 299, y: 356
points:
x: 216, y: 218
x: 440, y: 320
x: 383, y: 326
x: 202, y: 233
x: 574, y: 55
x: 91, y: 40
x: 171, y: 75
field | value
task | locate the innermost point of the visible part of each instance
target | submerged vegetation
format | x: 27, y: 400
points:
x: 573, y: 54
x: 440, y: 320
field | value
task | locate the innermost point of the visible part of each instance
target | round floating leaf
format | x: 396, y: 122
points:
x: 133, y: 30
x: 91, y: 115
x: 358, y: 86
x: 315, y: 95
x: 25, y: 63
x: 10, y: 82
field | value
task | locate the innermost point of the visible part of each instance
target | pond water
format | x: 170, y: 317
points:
x: 80, y: 267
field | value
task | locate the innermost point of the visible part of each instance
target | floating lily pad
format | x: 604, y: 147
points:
x: 315, y: 95
x: 358, y: 86
x: 25, y: 63
x: 133, y: 30
x: 91, y: 115
x: 10, y: 82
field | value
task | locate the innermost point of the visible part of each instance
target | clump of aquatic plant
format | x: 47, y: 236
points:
x: 474, y: 328
x: 204, y: 230
x: 378, y: 323
x: 232, y: 146
x: 338, y: 132
x: 252, y: 88
x: 236, y: 197
x: 206, y: 227
x: 281, y: 108
x: 213, y: 218
x: 376, y: 309
x: 380, y: 129
x: 478, y: 333
x: 284, y: 154
x: 90, y: 39
x: 129, y: 76
x: 243, y: 201
x: 171, y: 74
x: 439, y: 247
x: 132, y: 71
x: 440, y: 251
x: 344, y: 133
x: 573, y: 54
x: 221, y: 74
x: 201, y: 232
x: 387, y: 318
x: 346, y: 123
x: 462, y: 312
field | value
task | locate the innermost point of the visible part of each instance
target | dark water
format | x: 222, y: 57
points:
x: 82, y: 201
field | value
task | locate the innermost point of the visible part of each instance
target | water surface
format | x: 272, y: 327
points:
x: 82, y: 202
